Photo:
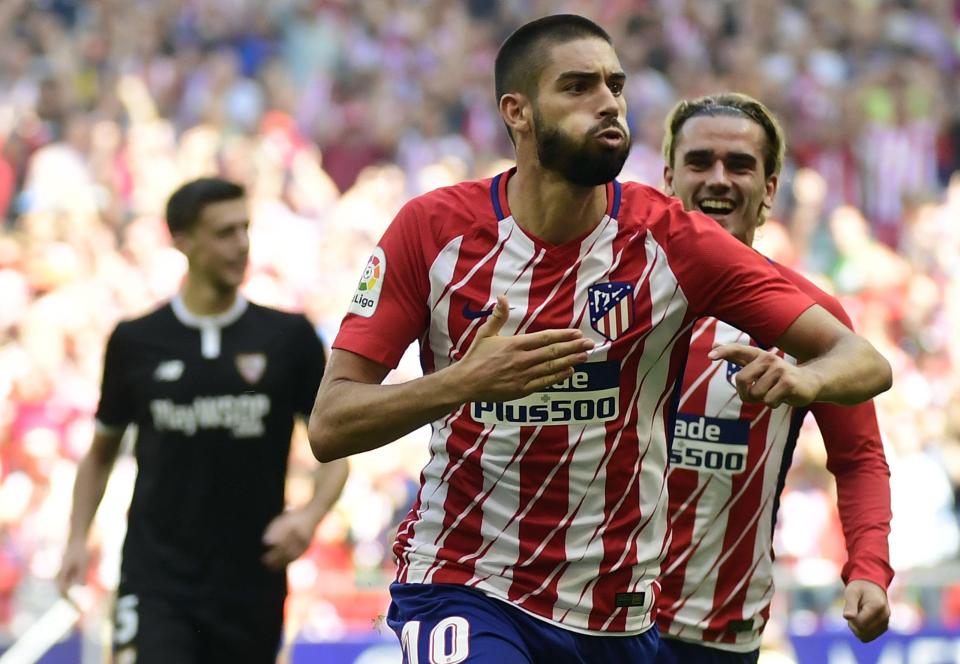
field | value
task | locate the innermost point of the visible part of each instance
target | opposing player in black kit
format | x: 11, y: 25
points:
x: 213, y: 383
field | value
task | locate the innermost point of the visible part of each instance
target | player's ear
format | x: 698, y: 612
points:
x: 770, y: 191
x: 517, y: 112
x: 182, y: 242
x: 668, y: 181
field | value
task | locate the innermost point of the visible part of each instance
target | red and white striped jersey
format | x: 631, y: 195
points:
x: 728, y: 461
x: 555, y: 502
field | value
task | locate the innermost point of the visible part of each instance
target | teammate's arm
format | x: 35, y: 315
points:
x: 355, y: 413
x: 866, y: 609
x: 855, y: 457
x: 835, y: 365
x: 93, y: 472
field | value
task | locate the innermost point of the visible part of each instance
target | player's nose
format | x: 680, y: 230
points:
x: 717, y: 176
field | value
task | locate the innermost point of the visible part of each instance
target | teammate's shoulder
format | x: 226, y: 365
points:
x: 642, y: 202
x: 813, y: 291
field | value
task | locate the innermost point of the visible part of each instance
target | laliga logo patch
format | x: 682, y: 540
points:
x: 251, y: 366
x: 365, y: 300
x: 611, y: 308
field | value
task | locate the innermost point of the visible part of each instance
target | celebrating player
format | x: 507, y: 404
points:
x: 729, y: 458
x: 213, y: 383
x: 553, y: 307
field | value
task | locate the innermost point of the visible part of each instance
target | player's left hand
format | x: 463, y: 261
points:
x: 287, y: 536
x: 867, y: 610
x: 765, y: 376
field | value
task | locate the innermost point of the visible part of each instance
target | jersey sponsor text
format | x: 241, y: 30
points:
x: 591, y: 394
x: 241, y: 414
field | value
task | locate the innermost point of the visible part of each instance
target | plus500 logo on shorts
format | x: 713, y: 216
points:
x: 591, y: 394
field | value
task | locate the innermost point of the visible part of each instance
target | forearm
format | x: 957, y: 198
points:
x: 88, y: 489
x: 352, y: 417
x: 328, y: 481
x: 851, y: 372
x: 863, y: 502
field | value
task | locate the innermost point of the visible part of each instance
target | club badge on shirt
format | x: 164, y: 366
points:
x: 251, y: 366
x: 611, y: 308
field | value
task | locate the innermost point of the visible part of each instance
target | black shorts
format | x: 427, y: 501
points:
x: 149, y: 629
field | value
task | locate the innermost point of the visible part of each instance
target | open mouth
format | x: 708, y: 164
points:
x: 716, y: 207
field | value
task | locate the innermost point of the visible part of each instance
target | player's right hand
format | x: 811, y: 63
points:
x: 497, y: 368
x: 73, y: 569
x: 767, y: 377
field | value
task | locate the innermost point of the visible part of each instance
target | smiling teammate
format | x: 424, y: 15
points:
x: 540, y: 522
x: 729, y: 458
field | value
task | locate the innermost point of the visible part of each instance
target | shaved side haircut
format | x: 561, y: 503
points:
x: 523, y: 56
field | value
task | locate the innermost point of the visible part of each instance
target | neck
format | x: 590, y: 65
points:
x: 203, y: 299
x: 548, y: 207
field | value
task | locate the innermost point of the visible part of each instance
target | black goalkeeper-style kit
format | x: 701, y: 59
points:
x: 214, y: 400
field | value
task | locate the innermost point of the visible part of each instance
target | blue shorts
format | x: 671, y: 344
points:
x: 449, y: 624
x: 675, y: 651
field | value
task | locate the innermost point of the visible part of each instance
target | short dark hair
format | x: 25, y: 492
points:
x: 523, y: 56
x: 185, y: 206
x: 731, y: 104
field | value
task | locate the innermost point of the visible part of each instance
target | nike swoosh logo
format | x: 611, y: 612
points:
x: 472, y: 314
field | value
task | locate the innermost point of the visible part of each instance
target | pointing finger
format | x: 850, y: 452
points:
x: 739, y: 354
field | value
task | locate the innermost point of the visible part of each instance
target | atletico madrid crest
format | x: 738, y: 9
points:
x: 611, y: 308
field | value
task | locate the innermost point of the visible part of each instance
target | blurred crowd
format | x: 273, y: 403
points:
x: 333, y: 113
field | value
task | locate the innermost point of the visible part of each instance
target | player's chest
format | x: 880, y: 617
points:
x: 615, y: 292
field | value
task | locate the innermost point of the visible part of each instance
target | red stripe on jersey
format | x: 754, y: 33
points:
x: 406, y: 529
x: 544, y: 491
x: 530, y: 434
x: 469, y: 288
x: 461, y: 524
x: 685, y: 493
x: 739, y: 543
x: 716, y: 635
x: 701, y: 366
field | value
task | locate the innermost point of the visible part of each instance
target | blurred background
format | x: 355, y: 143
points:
x: 333, y: 114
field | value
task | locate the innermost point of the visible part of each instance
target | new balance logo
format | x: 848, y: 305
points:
x: 168, y: 371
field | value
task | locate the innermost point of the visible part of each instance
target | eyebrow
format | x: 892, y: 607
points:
x: 618, y: 76
x: 740, y: 157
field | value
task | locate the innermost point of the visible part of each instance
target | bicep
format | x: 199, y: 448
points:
x: 813, y: 333
x: 344, y: 365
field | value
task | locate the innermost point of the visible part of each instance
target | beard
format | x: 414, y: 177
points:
x: 582, y: 162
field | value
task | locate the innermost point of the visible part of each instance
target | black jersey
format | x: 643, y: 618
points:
x: 214, y: 400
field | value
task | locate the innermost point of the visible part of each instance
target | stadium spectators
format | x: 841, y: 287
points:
x: 334, y: 113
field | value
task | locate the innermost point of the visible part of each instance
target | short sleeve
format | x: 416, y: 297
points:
x: 389, y: 309
x: 310, y: 362
x: 116, y: 408
x: 722, y: 277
